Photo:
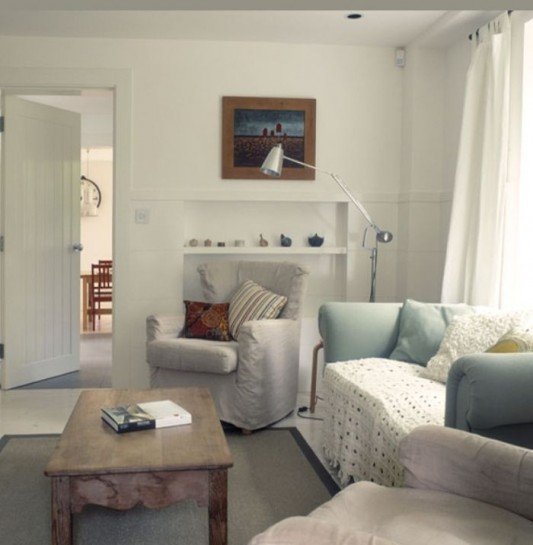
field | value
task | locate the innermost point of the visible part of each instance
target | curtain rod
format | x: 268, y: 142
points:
x: 509, y: 11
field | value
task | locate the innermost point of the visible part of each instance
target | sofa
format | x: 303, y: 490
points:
x: 460, y: 489
x: 371, y: 401
x: 254, y: 379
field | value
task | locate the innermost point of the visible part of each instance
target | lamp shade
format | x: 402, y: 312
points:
x: 273, y: 164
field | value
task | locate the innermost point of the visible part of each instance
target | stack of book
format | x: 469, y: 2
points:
x: 146, y: 416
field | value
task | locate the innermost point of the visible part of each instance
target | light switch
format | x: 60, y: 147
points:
x: 142, y: 215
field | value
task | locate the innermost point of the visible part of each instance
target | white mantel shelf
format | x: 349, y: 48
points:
x: 322, y: 250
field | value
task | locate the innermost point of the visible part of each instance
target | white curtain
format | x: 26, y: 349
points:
x: 477, y: 255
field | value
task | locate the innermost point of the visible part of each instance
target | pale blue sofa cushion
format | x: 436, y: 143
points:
x: 422, y: 327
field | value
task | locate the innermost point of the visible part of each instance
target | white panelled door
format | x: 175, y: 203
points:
x: 41, y: 220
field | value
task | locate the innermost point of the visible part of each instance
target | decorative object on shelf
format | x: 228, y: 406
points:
x: 193, y: 242
x: 91, y: 196
x: 240, y: 243
x: 221, y: 244
x: 285, y: 241
x: 273, y: 165
x: 262, y: 242
x: 251, y: 126
x: 208, y: 242
x: 315, y: 241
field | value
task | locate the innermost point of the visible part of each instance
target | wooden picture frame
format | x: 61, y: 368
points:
x: 251, y: 126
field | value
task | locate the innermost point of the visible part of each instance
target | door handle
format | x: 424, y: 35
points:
x: 78, y: 247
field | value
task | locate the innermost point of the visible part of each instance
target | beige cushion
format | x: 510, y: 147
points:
x: 197, y: 355
x: 311, y: 531
x: 253, y: 302
x: 422, y: 517
x: 409, y: 517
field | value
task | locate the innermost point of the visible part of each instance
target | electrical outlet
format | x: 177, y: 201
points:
x: 142, y: 215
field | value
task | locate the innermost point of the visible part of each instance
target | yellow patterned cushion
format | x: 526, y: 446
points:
x: 514, y: 341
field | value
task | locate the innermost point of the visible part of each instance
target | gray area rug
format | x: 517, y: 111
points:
x: 275, y: 475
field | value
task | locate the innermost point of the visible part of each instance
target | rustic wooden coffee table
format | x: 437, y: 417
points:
x: 92, y: 464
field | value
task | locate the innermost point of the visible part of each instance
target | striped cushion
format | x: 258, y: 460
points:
x: 253, y: 302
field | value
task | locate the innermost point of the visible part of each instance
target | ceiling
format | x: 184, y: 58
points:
x: 376, y: 28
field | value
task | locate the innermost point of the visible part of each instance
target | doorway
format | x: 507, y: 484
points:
x: 95, y: 215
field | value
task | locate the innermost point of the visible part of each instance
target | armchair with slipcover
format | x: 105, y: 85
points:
x: 253, y: 380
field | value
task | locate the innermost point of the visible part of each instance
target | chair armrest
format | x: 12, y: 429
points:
x: 469, y: 465
x: 485, y: 391
x: 267, y: 347
x: 358, y: 330
x: 267, y: 372
x: 312, y: 531
x: 161, y: 326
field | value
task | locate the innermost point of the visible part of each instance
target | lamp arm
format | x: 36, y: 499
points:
x: 290, y: 159
x: 344, y: 187
x: 381, y: 236
x: 357, y: 203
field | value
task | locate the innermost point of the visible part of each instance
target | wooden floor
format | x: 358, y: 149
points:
x: 103, y: 325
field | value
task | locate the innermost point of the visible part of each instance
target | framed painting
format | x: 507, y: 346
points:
x: 251, y: 126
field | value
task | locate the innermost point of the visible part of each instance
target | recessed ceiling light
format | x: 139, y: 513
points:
x: 354, y: 16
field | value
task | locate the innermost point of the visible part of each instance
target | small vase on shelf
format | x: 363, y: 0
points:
x: 315, y: 241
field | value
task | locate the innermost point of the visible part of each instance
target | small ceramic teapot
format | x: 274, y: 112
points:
x: 262, y: 241
x: 315, y: 240
x: 285, y: 241
x: 208, y: 242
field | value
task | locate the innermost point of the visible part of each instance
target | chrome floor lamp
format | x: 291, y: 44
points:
x: 273, y: 165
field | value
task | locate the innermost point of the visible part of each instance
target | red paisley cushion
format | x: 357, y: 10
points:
x: 206, y: 321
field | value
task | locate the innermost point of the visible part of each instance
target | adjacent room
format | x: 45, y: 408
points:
x: 290, y: 249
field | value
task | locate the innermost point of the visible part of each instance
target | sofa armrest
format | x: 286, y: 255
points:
x: 358, y: 330
x: 161, y: 326
x: 466, y: 464
x: 311, y: 531
x: 486, y: 391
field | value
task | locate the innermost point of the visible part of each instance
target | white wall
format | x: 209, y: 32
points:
x: 432, y: 105
x: 176, y: 138
x: 97, y: 231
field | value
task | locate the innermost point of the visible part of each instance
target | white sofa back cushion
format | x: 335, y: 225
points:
x: 468, y: 335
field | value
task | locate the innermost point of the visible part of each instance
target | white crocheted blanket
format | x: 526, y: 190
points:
x: 370, y: 405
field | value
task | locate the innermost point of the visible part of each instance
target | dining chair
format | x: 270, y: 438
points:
x: 101, y: 289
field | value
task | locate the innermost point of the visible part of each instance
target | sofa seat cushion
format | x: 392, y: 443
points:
x: 370, y: 404
x: 196, y: 355
x: 410, y: 516
x: 367, y: 514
